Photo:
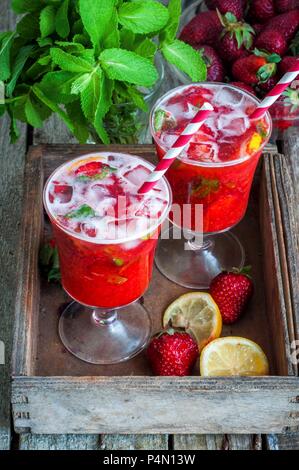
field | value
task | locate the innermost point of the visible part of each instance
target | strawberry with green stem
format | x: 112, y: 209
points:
x: 256, y: 68
x: 236, y: 37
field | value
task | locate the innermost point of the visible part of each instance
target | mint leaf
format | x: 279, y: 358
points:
x: 175, y: 11
x: 147, y: 49
x: 127, y: 39
x: 57, y: 86
x: 24, y: 6
x: 28, y: 26
x: 53, y: 106
x: 186, y: 59
x: 90, y: 95
x: 96, y: 16
x: 62, y: 21
x: 5, y: 48
x: 20, y: 61
x: 47, y: 21
x: 128, y: 66
x: 76, y: 115
x: 112, y: 35
x: 143, y: 16
x: 104, y: 104
x: 71, y: 47
x: 81, y: 83
x: 32, y: 114
x: 118, y: 261
x: 68, y: 62
x: 83, y: 212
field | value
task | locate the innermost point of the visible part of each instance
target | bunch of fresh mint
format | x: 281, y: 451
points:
x: 79, y: 58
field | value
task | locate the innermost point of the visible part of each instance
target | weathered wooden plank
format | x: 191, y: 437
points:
x: 245, y: 405
x: 287, y: 441
x: 59, y: 442
x: 217, y: 442
x: 290, y: 149
x: 134, y: 442
x: 11, y: 176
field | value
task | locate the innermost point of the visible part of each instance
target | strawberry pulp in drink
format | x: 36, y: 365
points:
x: 106, y: 232
x: 217, y: 168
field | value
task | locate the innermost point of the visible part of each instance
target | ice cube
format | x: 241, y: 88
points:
x: 151, y: 207
x: 89, y: 229
x: 137, y: 175
x: 230, y: 97
x: 60, y: 193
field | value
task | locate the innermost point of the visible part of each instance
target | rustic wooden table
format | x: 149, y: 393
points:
x: 11, y: 183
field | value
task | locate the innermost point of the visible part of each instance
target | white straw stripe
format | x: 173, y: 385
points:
x: 155, y: 176
x: 288, y: 77
x: 268, y: 101
x: 172, y: 153
x: 192, y: 128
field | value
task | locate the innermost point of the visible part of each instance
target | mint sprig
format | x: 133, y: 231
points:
x: 83, y: 59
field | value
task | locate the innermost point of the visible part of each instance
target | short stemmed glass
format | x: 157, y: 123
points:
x: 210, y: 181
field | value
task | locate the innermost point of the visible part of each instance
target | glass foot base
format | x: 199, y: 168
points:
x: 196, y: 267
x: 100, y: 337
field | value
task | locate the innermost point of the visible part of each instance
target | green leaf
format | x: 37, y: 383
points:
x: 175, y: 11
x: 5, y: 48
x: 127, y: 39
x: 32, y: 114
x: 20, y: 61
x: 112, y: 35
x: 68, y: 62
x: 57, y: 86
x: 44, y: 42
x: 96, y: 16
x: 53, y: 106
x: 186, y: 59
x: 47, y: 21
x: 75, y: 113
x: 90, y: 95
x: 24, y: 6
x: 71, y: 47
x: 104, y: 104
x: 143, y: 16
x: 83, y: 212
x: 137, y: 98
x: 62, y: 21
x: 81, y: 83
x: 28, y: 26
x: 2, y: 109
x: 14, y: 131
x: 128, y: 66
x: 147, y: 49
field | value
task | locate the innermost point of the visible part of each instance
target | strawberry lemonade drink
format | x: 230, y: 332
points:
x: 215, y: 170
x: 106, y: 235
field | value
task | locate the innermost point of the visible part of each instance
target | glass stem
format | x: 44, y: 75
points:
x: 102, y: 317
x: 200, y: 243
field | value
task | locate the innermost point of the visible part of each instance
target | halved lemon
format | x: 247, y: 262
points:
x: 233, y: 355
x: 198, y: 314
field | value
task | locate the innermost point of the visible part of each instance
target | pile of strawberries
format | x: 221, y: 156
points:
x: 248, y: 43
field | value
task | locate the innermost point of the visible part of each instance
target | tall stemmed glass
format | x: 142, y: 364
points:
x: 106, y: 235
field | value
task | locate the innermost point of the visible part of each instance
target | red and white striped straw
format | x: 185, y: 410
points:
x: 178, y: 146
x: 276, y: 92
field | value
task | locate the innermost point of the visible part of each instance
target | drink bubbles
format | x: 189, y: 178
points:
x: 96, y: 198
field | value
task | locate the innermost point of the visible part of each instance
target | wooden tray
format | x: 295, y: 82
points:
x: 54, y: 392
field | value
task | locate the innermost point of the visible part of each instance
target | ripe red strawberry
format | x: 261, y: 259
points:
x: 281, y: 6
x: 272, y: 41
x: 204, y: 28
x: 286, y: 23
x: 235, y: 39
x: 256, y: 68
x: 172, y: 352
x: 231, y: 6
x: 286, y: 63
x: 95, y: 170
x: 261, y: 11
x: 258, y: 28
x: 231, y: 292
x: 215, y: 69
x: 244, y: 86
